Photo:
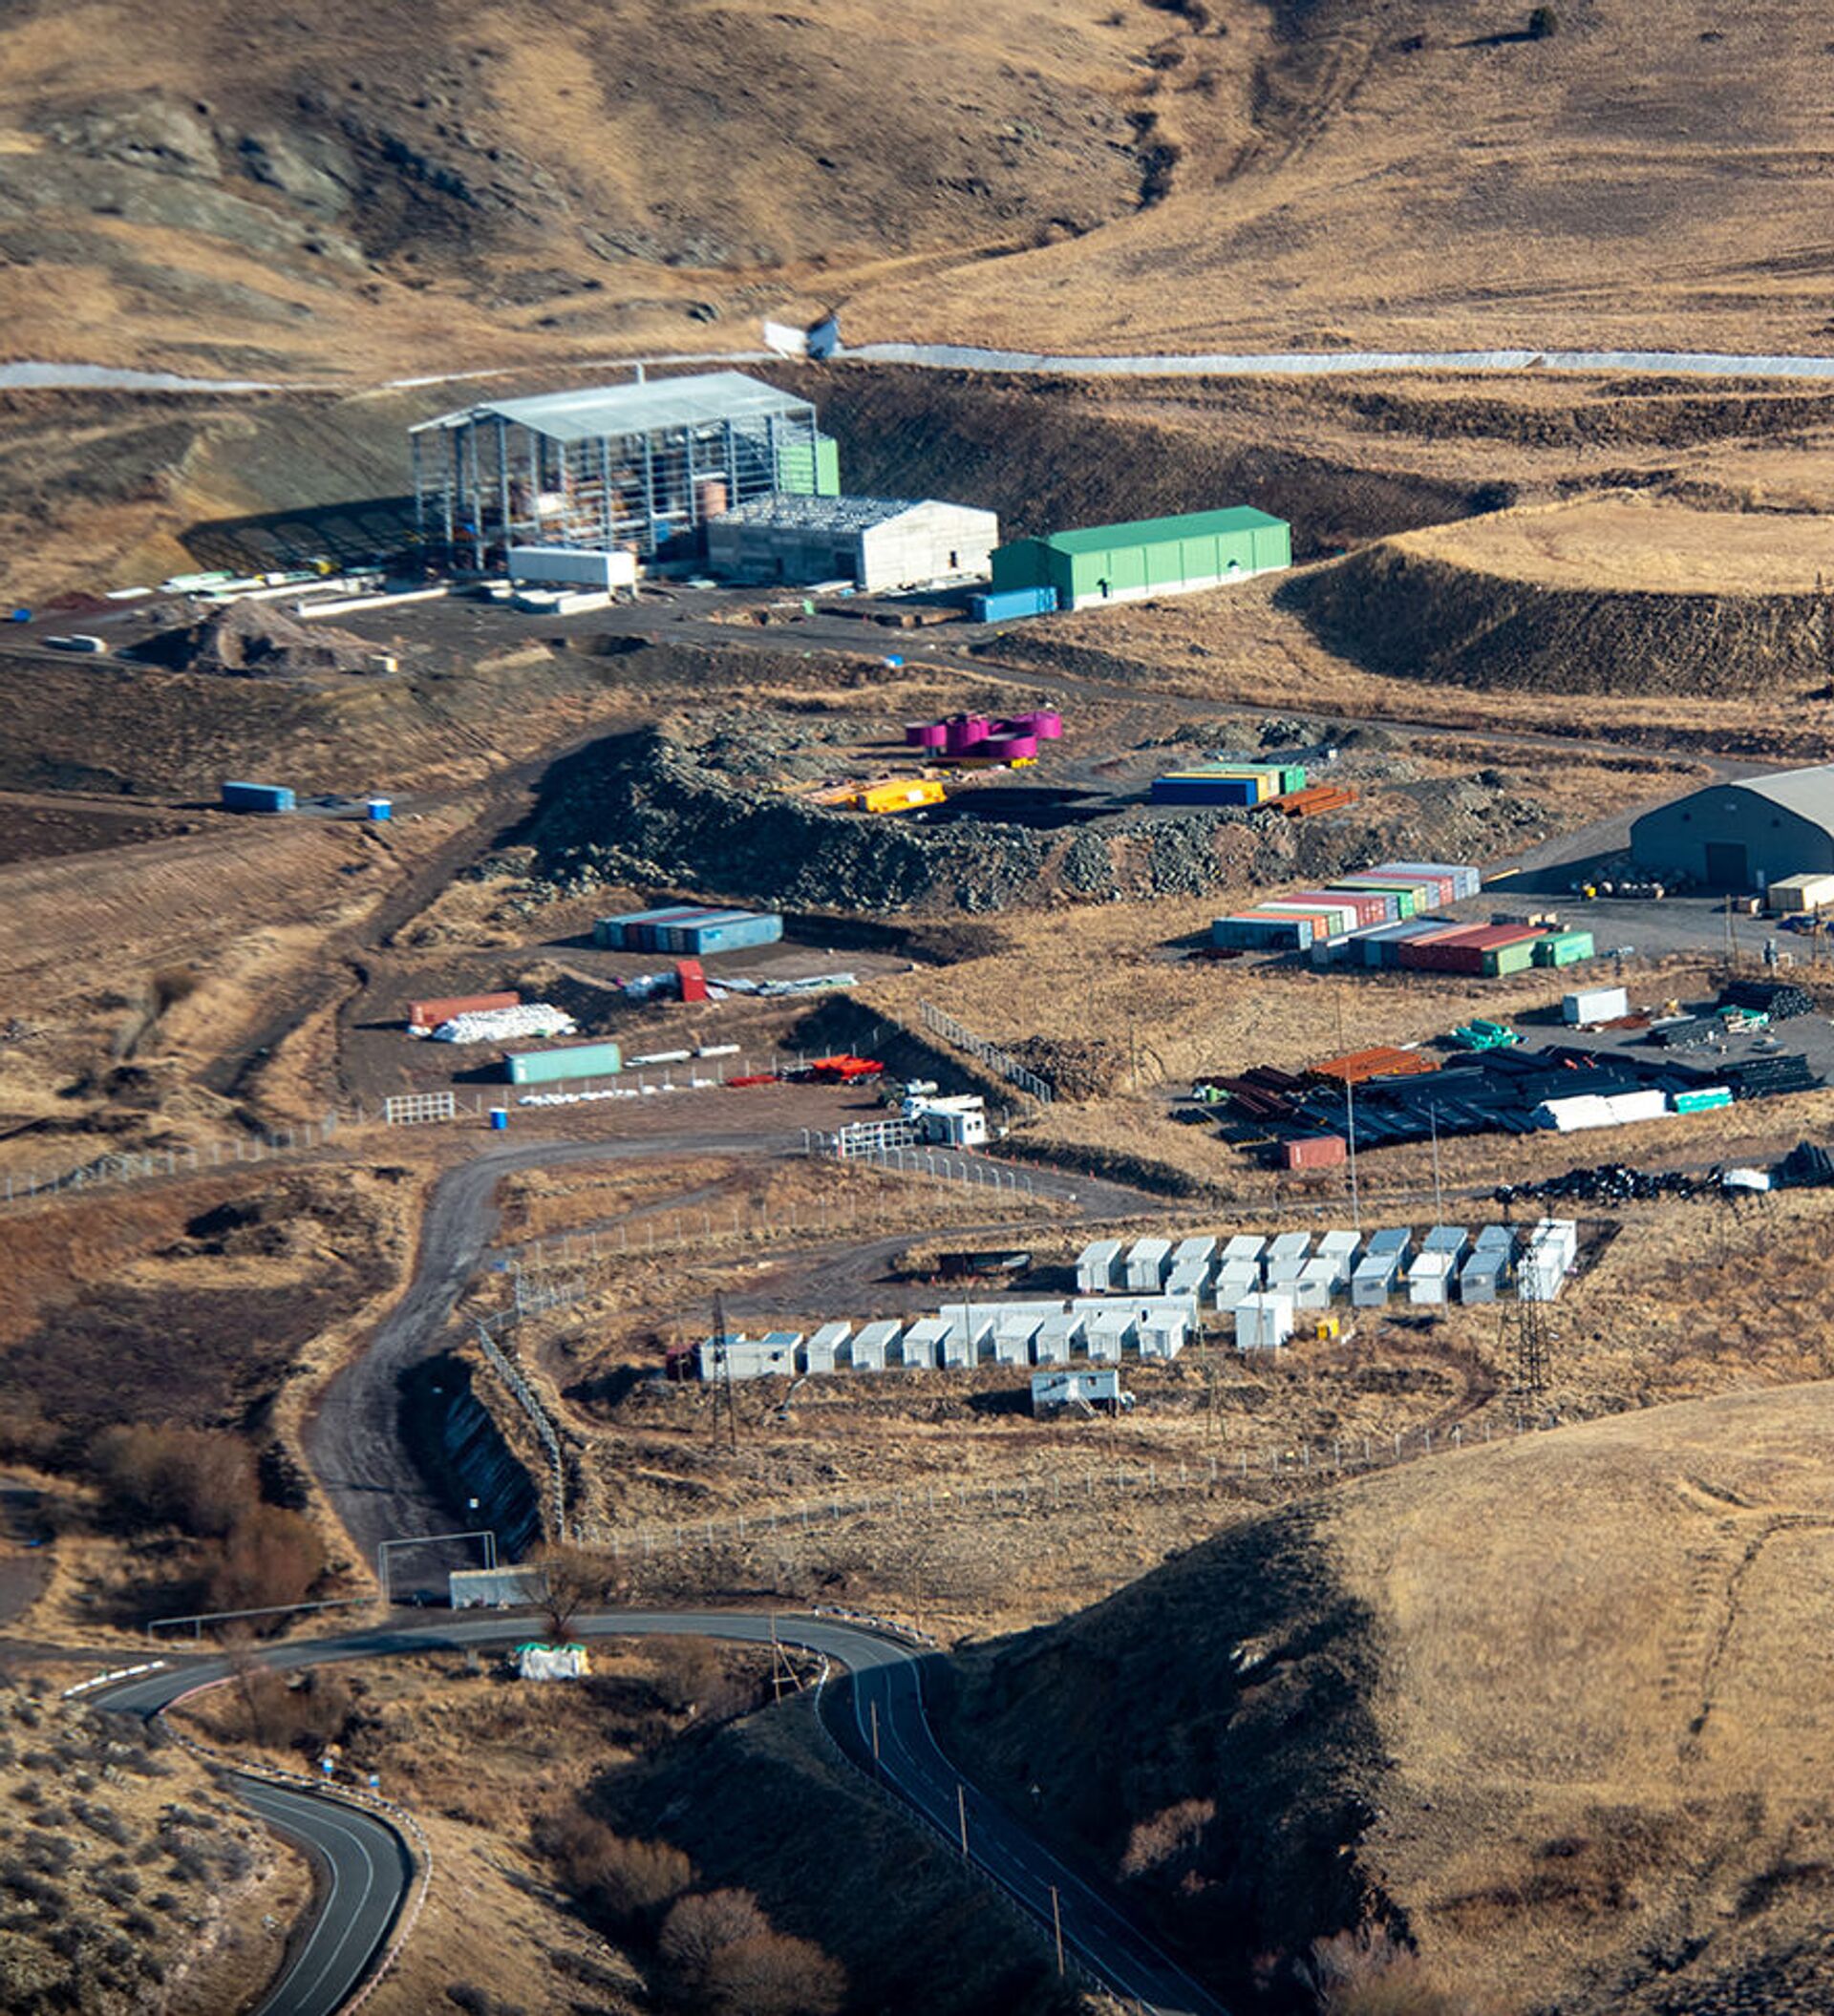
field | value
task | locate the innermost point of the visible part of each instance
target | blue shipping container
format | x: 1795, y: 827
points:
x: 258, y: 798
x: 1205, y: 790
x: 737, y: 934
x: 625, y: 931
x: 677, y: 935
x: 1009, y: 604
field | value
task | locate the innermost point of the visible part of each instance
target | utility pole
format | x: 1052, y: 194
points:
x: 872, y: 1709
x: 723, y: 1393
x: 961, y: 1815
x: 1057, y: 1925
x: 1439, y: 1194
x: 1350, y: 1128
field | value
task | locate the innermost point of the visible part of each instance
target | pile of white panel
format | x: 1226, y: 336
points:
x: 504, y: 1025
x: 1588, y: 1110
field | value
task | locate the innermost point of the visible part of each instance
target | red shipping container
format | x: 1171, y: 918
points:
x: 1434, y: 957
x: 1314, y: 1151
x: 690, y: 979
x: 430, y: 1014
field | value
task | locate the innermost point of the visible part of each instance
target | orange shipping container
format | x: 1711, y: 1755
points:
x: 1314, y: 1151
x: 430, y: 1014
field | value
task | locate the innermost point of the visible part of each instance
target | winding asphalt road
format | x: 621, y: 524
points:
x: 878, y: 1705
x: 363, y: 1871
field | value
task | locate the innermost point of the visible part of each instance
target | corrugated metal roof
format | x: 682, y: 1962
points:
x: 636, y: 408
x: 1162, y: 531
x: 1809, y: 793
x: 839, y: 515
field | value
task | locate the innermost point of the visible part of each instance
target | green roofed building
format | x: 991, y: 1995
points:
x: 1154, y: 556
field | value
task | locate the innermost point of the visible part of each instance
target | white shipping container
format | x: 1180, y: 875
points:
x: 573, y: 567
x: 1802, y: 892
x: 1594, y: 1005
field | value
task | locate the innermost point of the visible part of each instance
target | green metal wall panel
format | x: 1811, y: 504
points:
x: 1024, y: 563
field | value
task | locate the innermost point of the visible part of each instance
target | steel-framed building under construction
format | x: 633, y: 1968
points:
x: 637, y: 466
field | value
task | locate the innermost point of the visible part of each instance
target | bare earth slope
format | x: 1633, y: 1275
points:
x: 1607, y: 594
x: 1555, y: 1708
x: 365, y: 189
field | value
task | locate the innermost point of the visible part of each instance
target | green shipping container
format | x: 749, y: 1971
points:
x: 1564, y: 948
x: 1292, y: 777
x: 1407, y: 895
x: 1517, y: 958
x: 548, y: 1067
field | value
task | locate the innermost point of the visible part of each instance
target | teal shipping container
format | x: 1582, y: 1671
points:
x: 548, y: 1067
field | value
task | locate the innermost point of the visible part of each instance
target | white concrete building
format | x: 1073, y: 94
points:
x: 873, y: 1345
x: 877, y: 543
x: 1374, y: 1281
x: 827, y: 1347
x: 1162, y: 1333
x: 1147, y: 1260
x: 1107, y: 1334
x: 1012, y: 1339
x: 924, y: 1344
x: 1429, y: 1280
x: 1236, y: 1279
x: 1483, y: 1276
x: 1264, y: 1322
x: 1096, y: 1266
x: 1058, y: 1339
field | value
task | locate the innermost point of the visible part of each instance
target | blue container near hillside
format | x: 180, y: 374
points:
x: 499, y: 1119
x: 258, y: 798
x: 1205, y: 790
x: 379, y: 811
x: 1012, y: 605
x: 731, y: 934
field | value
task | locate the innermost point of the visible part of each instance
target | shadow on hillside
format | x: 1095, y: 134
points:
x: 368, y: 530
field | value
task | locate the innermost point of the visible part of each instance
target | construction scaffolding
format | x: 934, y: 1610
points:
x: 640, y: 467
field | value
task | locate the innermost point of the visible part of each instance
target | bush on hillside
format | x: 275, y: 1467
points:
x: 197, y: 1479
x: 631, y: 1883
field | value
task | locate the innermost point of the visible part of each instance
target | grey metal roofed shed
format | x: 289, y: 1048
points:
x: 640, y: 406
x: 642, y: 466
x: 1742, y: 835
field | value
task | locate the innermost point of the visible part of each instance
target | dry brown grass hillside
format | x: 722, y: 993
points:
x: 129, y: 1879
x: 360, y: 190
x: 1612, y: 593
x: 1555, y: 1712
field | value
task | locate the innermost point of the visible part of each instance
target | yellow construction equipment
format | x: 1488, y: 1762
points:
x: 902, y: 795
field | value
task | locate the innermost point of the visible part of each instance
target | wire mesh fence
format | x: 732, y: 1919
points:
x: 1237, y: 1470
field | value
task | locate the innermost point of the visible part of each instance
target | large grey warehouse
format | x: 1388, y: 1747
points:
x: 874, y: 542
x: 1742, y: 835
